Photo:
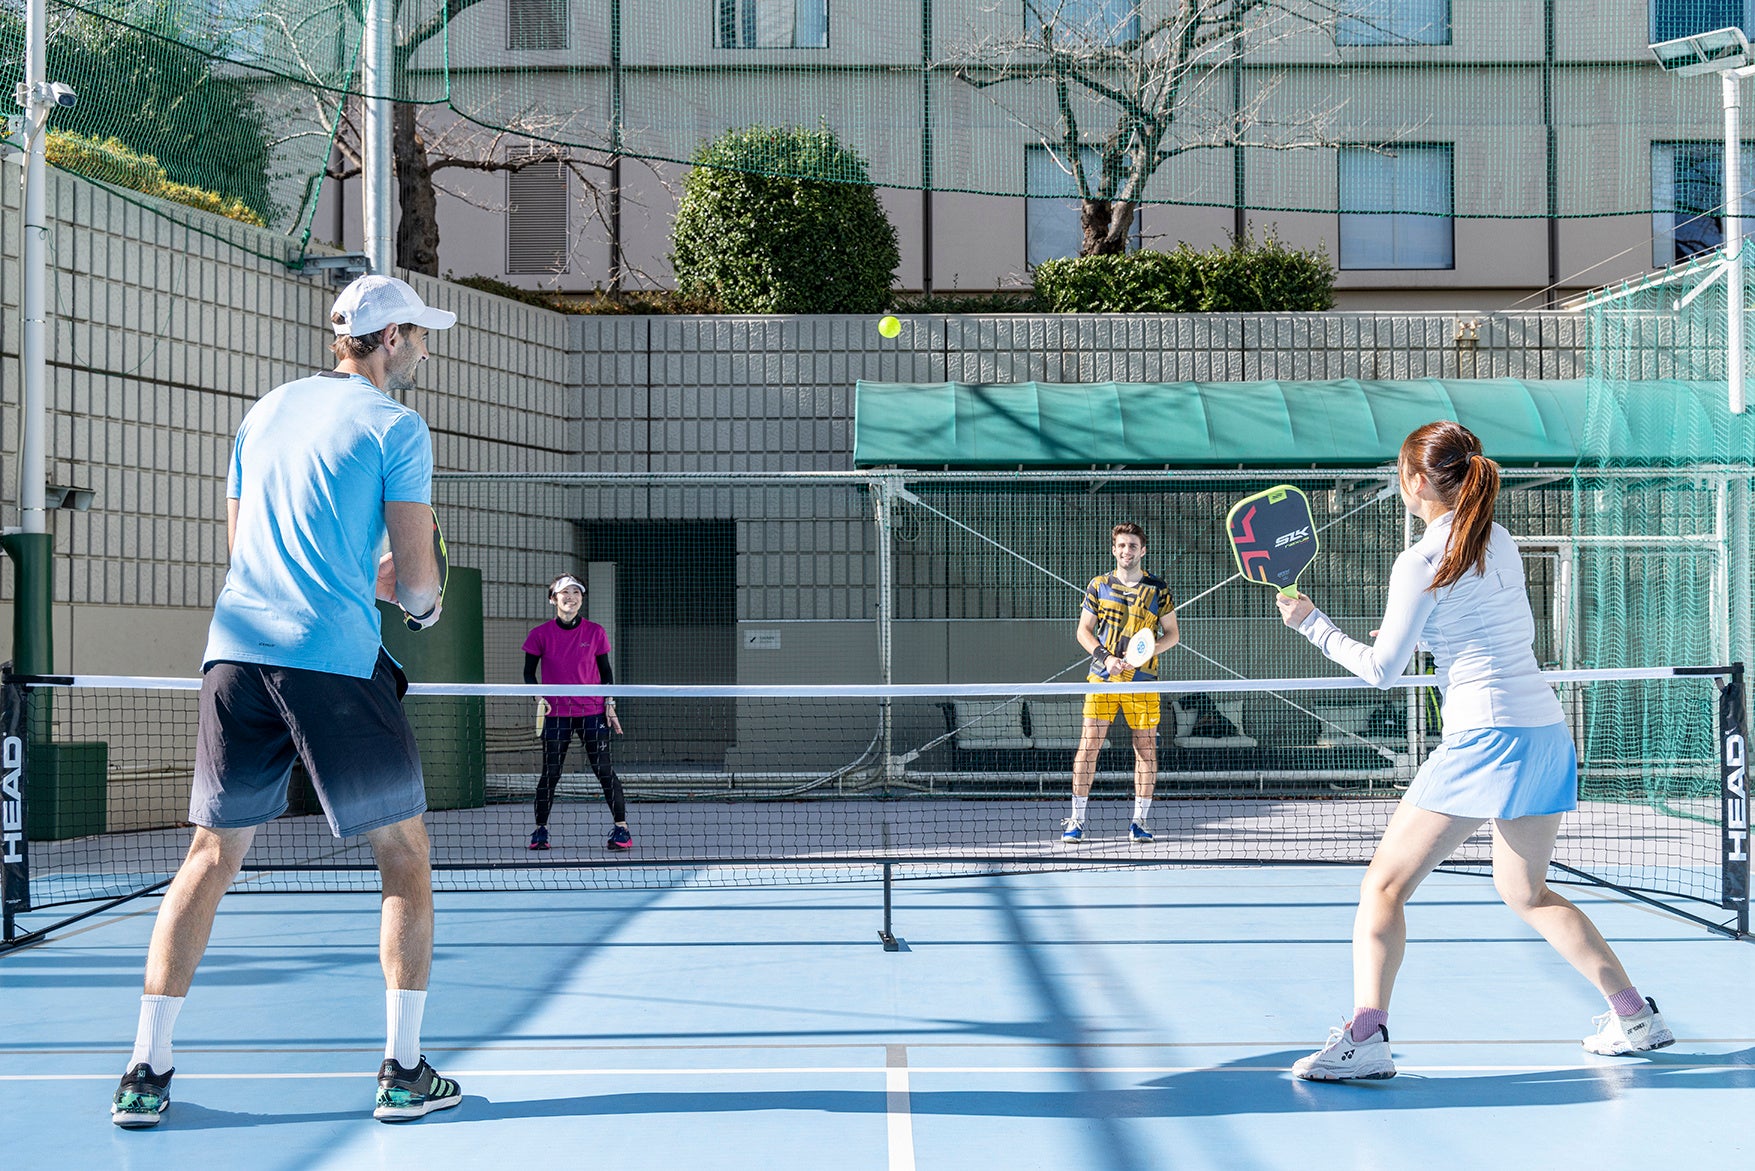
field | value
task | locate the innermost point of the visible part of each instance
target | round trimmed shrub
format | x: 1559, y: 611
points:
x: 783, y: 220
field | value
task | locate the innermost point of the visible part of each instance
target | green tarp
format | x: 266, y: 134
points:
x: 1337, y: 423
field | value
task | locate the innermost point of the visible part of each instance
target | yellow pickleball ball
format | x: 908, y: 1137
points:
x: 890, y: 326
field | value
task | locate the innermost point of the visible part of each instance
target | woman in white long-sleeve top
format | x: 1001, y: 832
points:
x: 1506, y: 756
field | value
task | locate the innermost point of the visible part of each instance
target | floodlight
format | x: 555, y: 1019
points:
x: 1719, y: 51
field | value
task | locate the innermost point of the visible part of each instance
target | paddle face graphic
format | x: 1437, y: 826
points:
x: 1139, y: 647
x: 1273, y: 537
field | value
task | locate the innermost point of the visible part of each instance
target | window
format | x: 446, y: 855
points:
x: 1394, y: 22
x: 1396, y: 205
x: 1052, y: 211
x: 1687, y: 191
x: 1090, y: 22
x: 772, y: 24
x: 536, y: 24
x: 536, y: 214
x: 1680, y: 18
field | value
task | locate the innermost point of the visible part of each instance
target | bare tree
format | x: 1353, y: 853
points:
x: 430, y: 140
x: 1131, y: 91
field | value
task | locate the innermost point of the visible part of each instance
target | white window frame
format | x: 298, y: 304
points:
x: 1042, y: 237
x: 1394, y: 22
x: 1400, y: 220
x: 1667, y: 223
x: 770, y: 24
x: 564, y: 252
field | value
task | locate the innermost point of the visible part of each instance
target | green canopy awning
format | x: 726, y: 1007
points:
x: 1336, y: 423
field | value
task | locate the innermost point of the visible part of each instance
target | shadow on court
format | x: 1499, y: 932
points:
x: 1239, y: 1088
x: 186, y: 1115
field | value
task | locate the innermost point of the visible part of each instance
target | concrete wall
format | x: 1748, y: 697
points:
x: 683, y: 394
x: 165, y: 328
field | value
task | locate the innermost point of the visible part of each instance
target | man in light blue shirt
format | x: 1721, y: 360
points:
x: 323, y: 469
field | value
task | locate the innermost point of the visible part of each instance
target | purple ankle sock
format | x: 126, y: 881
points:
x: 1627, y: 1002
x: 1366, y: 1021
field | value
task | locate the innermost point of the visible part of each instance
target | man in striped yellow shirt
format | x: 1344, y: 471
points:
x: 1117, y: 606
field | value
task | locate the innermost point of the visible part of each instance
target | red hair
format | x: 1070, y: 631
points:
x: 1449, y: 456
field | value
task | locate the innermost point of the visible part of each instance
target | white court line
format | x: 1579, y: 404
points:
x: 891, y: 1080
x: 899, y: 1109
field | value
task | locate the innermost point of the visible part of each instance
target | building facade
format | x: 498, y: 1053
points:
x: 1484, y: 154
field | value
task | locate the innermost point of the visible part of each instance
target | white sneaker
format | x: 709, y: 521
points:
x: 1344, y: 1059
x: 1072, y: 831
x: 1630, y: 1034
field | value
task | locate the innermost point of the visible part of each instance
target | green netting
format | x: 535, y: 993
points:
x: 1663, y: 558
x: 226, y: 107
x: 1429, y: 107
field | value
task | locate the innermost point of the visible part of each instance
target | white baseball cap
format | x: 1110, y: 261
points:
x: 371, y: 302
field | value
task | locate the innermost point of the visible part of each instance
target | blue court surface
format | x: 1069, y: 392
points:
x: 1105, y: 1019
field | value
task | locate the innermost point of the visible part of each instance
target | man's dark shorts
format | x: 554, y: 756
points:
x: 350, y: 733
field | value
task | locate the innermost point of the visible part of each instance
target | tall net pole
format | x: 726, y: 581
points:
x: 35, y: 256
x: 378, y: 88
x: 1732, y: 84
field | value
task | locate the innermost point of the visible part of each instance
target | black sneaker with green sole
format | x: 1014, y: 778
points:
x: 405, y: 1094
x: 142, y: 1098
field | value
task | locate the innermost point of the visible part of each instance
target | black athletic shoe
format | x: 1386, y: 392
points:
x: 142, y: 1098
x: 413, y: 1093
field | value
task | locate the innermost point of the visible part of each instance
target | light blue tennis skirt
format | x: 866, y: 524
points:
x: 1500, y: 773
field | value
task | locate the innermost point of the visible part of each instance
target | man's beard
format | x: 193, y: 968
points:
x: 401, y: 379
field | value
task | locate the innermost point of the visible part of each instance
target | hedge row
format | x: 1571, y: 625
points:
x: 1247, y: 277
x: 108, y: 161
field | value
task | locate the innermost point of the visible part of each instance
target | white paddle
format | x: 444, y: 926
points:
x: 1139, y: 648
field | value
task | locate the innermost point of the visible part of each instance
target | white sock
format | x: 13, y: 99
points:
x: 1141, y: 807
x: 402, y: 1011
x: 1079, y: 808
x: 152, y: 1040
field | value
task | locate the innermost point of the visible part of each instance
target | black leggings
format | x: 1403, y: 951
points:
x: 557, y: 737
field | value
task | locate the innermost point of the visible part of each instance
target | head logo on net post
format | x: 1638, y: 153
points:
x: 1736, y: 796
x: 12, y: 800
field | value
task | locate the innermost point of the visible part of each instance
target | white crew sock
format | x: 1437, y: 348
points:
x: 1141, y: 807
x: 152, y: 1040
x: 402, y: 1011
x: 1079, y: 808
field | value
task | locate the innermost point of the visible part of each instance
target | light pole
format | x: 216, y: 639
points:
x: 29, y: 544
x: 1723, y: 51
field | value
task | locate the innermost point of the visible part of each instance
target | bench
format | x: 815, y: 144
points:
x: 1199, y: 734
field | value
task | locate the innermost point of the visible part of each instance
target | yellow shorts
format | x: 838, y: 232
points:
x: 1142, y: 711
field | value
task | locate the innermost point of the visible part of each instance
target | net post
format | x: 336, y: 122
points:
x: 887, y: 935
x: 1734, y: 803
x: 14, y: 847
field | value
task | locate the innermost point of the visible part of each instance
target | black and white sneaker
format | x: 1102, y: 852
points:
x: 413, y: 1093
x: 142, y: 1098
x: 1619, y: 1035
x: 1342, y: 1059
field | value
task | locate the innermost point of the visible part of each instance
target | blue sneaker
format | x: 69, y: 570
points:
x: 539, y: 838
x: 619, y: 839
x: 1072, y: 831
x: 142, y: 1098
x: 1139, y: 833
